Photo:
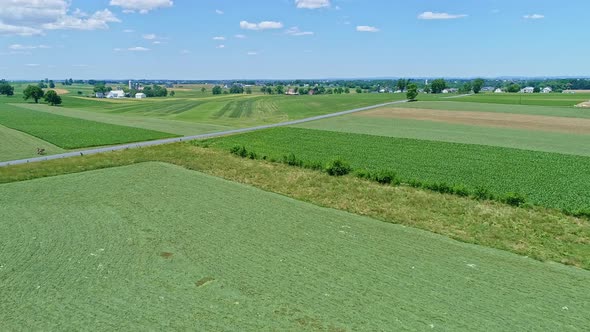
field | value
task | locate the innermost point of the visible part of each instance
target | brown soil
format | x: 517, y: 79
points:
x: 59, y: 91
x: 488, y: 119
x: 166, y: 254
x: 204, y: 281
x: 584, y: 104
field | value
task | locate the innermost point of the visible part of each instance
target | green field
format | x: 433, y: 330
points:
x: 229, y: 110
x: 17, y: 145
x: 457, y: 133
x: 547, y: 179
x: 568, y: 112
x: 71, y: 133
x: 537, y: 99
x: 189, y: 251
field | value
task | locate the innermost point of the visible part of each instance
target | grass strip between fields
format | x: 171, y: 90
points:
x: 72, y: 133
x: 546, y: 179
x: 540, y: 233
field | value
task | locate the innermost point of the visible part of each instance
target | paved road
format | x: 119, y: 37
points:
x: 187, y: 138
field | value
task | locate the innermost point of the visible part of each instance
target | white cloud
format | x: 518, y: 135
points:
x: 6, y: 29
x: 32, y: 65
x: 141, y: 6
x: 220, y: 12
x: 150, y: 36
x: 312, y: 4
x: 19, y: 47
x: 294, y: 31
x: 439, y: 16
x: 220, y: 46
x: 534, y: 16
x: 240, y: 36
x: 264, y: 25
x: 32, y: 17
x: 156, y: 42
x: 128, y: 31
x: 252, y: 53
x: 98, y: 20
x: 185, y: 52
x: 138, y: 49
x: 219, y: 38
x: 366, y: 28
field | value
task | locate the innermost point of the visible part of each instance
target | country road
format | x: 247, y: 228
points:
x: 188, y: 138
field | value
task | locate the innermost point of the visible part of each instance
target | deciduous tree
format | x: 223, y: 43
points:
x: 412, y: 92
x: 477, y: 85
x: 438, y: 85
x: 52, y: 98
x: 33, y: 92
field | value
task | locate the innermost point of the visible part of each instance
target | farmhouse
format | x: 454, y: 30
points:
x: 99, y: 95
x: 291, y: 92
x: 140, y: 95
x: 528, y: 89
x: 116, y: 94
x: 547, y: 90
x: 498, y: 90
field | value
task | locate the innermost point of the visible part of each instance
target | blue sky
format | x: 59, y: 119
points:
x: 225, y: 39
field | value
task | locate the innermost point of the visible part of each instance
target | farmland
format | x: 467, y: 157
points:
x: 84, y: 122
x: 499, y: 170
x: 204, y: 267
x: 473, y: 131
x: 70, y: 133
x: 549, y: 99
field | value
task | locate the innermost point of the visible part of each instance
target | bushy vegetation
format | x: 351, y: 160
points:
x: 483, y: 172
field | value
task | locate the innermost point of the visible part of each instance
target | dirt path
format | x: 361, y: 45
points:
x: 488, y: 119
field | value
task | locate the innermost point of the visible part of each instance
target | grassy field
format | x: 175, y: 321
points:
x: 537, y: 99
x: 175, y: 255
x: 536, y: 140
x: 71, y: 133
x: 18, y: 145
x: 454, y: 105
x: 546, y: 179
x: 229, y: 110
x: 536, y: 232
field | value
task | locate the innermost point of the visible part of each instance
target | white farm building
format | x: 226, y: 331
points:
x: 547, y: 90
x: 528, y: 89
x: 140, y: 95
x: 498, y: 90
x: 116, y: 94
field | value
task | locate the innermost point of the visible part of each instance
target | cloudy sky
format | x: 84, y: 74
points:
x: 224, y: 39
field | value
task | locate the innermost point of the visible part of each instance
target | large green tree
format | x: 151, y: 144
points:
x: 52, y: 98
x: 216, y: 90
x: 513, y: 88
x: 438, y: 85
x: 33, y: 92
x: 412, y: 91
x: 402, y: 84
x: 6, y: 89
x: 477, y: 85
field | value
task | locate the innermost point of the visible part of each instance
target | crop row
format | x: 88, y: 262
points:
x: 546, y: 179
x: 72, y: 133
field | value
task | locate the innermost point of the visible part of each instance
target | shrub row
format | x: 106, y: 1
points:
x: 339, y: 167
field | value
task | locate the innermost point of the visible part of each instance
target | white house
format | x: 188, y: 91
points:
x: 140, y: 95
x: 547, y: 90
x: 116, y: 94
x: 99, y: 95
x: 528, y: 89
x: 498, y: 90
